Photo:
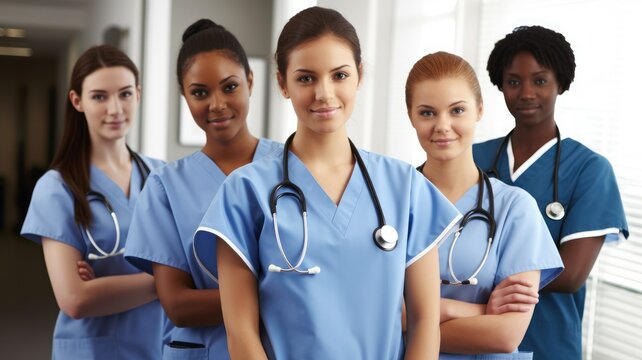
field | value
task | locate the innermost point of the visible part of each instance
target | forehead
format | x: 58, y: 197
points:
x: 213, y: 65
x: 109, y: 78
x: 325, y: 52
x: 442, y: 92
x: 525, y: 62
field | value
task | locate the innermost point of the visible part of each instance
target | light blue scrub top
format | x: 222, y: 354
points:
x: 133, y: 334
x: 167, y: 214
x: 352, y: 308
x: 591, y: 198
x: 522, y: 243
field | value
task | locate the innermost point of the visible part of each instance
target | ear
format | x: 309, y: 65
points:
x: 250, y: 81
x: 75, y: 100
x: 282, y: 87
x: 480, y: 111
x: 138, y: 91
x: 360, y: 72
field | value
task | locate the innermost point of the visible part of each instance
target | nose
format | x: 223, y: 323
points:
x: 114, y: 106
x: 527, y: 91
x: 217, y: 103
x: 324, y: 90
x: 442, y: 123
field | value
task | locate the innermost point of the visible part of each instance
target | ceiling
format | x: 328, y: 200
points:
x: 44, y: 40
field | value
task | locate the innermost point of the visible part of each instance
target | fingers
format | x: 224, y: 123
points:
x: 85, y: 271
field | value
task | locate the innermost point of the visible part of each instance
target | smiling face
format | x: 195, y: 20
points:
x: 109, y: 100
x: 530, y: 91
x: 444, y: 113
x: 217, y: 92
x: 321, y: 80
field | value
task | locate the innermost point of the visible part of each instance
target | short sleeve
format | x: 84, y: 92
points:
x: 432, y: 218
x: 596, y: 206
x: 525, y: 243
x: 51, y: 213
x: 234, y: 217
x: 153, y: 235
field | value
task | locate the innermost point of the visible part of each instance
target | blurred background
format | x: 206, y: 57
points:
x: 40, y: 40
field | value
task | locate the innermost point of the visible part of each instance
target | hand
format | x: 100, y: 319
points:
x: 85, y: 271
x: 513, y: 294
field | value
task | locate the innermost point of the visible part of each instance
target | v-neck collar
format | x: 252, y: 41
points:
x: 210, y: 167
x: 514, y: 175
x: 338, y: 214
x: 99, y: 181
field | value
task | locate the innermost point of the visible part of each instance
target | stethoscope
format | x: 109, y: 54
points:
x: 385, y: 236
x: 95, y: 195
x: 478, y: 212
x: 555, y: 209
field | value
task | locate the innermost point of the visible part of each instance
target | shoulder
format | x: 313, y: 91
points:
x: 263, y: 171
x: 509, y: 194
x: 583, y: 155
x: 269, y: 147
x: 51, y: 182
x: 385, y: 163
x: 153, y: 163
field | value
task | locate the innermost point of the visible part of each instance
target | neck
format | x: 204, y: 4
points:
x: 113, y: 153
x: 453, y: 177
x: 528, y: 139
x: 313, y: 148
x: 232, y: 154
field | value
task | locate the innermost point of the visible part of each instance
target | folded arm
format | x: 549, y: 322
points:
x: 184, y: 304
x: 502, y: 326
x: 79, y: 295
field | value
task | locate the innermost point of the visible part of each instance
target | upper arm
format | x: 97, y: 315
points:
x: 169, y: 281
x: 61, y: 260
x: 579, y: 256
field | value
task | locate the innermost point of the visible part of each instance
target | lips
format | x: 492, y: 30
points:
x: 442, y: 142
x: 220, y: 119
x: 325, y: 112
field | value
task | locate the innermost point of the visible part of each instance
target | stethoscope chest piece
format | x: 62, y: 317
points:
x: 386, y: 237
x: 555, y: 210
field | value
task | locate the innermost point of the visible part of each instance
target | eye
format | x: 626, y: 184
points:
x: 512, y: 82
x: 305, y: 79
x: 458, y: 110
x: 540, y: 82
x: 99, y: 97
x: 126, y: 94
x: 426, y: 113
x: 341, y: 75
x: 198, y: 93
x: 228, y: 88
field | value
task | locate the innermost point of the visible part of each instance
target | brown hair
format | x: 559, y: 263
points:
x: 441, y: 65
x: 73, y: 153
x: 310, y: 24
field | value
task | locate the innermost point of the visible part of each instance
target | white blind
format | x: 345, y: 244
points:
x: 600, y: 111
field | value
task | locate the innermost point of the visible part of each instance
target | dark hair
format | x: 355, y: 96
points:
x: 204, y: 35
x: 549, y: 48
x: 442, y: 65
x: 73, y: 153
x: 310, y: 24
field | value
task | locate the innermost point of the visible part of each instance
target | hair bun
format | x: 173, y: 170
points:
x: 200, y: 25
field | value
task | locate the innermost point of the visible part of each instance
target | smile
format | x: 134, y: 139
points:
x: 325, y: 112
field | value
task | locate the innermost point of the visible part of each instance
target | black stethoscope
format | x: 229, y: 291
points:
x: 479, y: 213
x: 95, y: 195
x: 555, y: 209
x: 385, y: 236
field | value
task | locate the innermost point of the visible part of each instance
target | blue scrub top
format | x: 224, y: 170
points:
x: 352, y: 308
x: 522, y: 243
x: 133, y: 334
x: 591, y: 198
x: 167, y: 214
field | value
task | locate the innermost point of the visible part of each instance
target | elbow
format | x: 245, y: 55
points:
x: 74, y: 307
x: 508, y: 341
x: 174, y: 313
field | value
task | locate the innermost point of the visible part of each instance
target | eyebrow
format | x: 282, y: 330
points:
x: 104, y: 91
x: 533, y: 74
x: 450, y: 105
x: 311, y: 71
x: 220, y: 82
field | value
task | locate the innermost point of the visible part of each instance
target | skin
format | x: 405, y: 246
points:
x: 109, y: 100
x: 530, y: 91
x: 217, y: 92
x: 444, y: 114
x: 321, y: 80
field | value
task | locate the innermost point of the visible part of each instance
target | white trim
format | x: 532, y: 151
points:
x: 231, y: 244
x: 444, y: 234
x: 592, y: 233
x: 531, y: 160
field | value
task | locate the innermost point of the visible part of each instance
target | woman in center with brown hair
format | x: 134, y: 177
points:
x: 501, y: 238
x: 356, y: 231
